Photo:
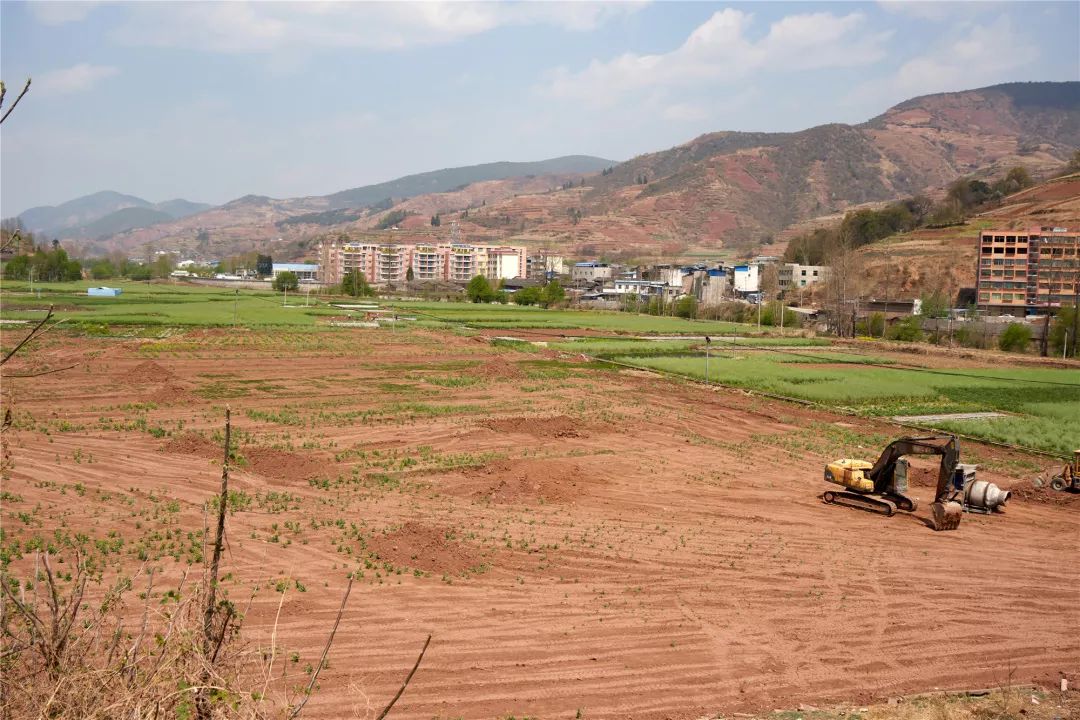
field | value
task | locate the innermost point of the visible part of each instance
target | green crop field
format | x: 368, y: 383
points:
x: 527, y: 317
x: 185, y: 304
x: 157, y: 304
x: 1043, y: 405
x: 609, y: 347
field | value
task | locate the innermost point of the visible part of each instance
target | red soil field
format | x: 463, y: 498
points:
x: 573, y: 537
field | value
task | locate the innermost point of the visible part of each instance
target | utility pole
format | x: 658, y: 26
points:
x: 708, y: 340
x: 236, y: 298
x: 1046, y: 329
x: 1076, y: 314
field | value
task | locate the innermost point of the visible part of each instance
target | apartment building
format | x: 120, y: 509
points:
x: 1027, y: 271
x: 389, y: 263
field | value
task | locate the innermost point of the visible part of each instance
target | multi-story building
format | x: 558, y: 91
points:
x: 794, y: 275
x: 545, y: 267
x: 746, y: 279
x: 388, y: 264
x: 588, y: 272
x: 1027, y: 271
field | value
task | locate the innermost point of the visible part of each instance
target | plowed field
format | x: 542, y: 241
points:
x: 573, y: 537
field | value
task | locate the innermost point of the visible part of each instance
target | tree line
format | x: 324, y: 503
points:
x: 862, y: 227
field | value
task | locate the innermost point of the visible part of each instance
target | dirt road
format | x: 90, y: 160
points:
x: 573, y: 537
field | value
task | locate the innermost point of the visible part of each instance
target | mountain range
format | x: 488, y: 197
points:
x: 104, y: 213
x: 720, y: 191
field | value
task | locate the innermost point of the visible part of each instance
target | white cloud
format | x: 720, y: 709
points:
x: 242, y: 27
x: 968, y: 56
x: 685, y: 112
x: 78, y: 78
x: 59, y: 12
x: 721, y: 50
x: 937, y: 11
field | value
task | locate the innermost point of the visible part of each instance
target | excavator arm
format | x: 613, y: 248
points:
x: 946, y: 512
x: 946, y: 446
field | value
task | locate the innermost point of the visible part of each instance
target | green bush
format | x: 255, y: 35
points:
x: 1062, y: 338
x: 907, y: 330
x: 479, y: 290
x: 286, y: 280
x: 1015, y: 338
x: 686, y: 307
x: 102, y: 270
x: 356, y: 285
x: 527, y: 296
x: 553, y: 294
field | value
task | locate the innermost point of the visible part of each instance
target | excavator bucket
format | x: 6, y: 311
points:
x: 946, y: 515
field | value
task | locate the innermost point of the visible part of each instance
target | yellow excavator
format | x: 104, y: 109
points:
x: 882, y: 487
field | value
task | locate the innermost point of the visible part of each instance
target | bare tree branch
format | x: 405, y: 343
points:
x: 386, y: 710
x: 29, y: 337
x: 202, y: 706
x: 26, y: 89
x: 322, y: 660
x: 43, y: 372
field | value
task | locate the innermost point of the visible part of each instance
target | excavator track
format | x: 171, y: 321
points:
x: 870, y: 503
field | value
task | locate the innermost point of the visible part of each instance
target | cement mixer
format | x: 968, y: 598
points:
x: 979, y: 496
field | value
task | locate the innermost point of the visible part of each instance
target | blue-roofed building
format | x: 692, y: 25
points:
x: 305, y: 272
x: 103, y: 292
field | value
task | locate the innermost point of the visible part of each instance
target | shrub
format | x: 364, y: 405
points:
x: 356, y: 284
x: 479, y: 290
x: 553, y: 293
x: 102, y: 269
x: 686, y: 307
x: 907, y: 330
x: 1062, y: 338
x: 286, y: 280
x: 527, y: 296
x: 1016, y: 338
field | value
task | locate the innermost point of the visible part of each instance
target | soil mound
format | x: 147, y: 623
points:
x: 149, y: 372
x: 1045, y: 495
x: 192, y: 444
x: 559, y: 426
x: 499, y: 368
x: 507, y: 481
x: 281, y: 464
x: 419, y: 546
x: 170, y: 394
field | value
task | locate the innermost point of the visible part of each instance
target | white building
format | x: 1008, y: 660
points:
x: 746, y: 279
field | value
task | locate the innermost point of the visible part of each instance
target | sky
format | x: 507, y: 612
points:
x: 210, y: 101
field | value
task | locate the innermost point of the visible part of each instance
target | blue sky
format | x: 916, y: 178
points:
x: 210, y: 101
